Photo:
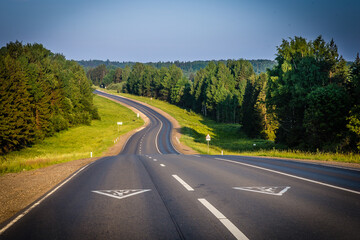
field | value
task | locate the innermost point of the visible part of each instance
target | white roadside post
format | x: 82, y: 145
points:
x: 119, y: 124
x: 208, y: 139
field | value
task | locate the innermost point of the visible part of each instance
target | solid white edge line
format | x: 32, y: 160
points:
x: 127, y: 140
x: 226, y: 222
x: 185, y: 185
x: 172, y: 127
x: 289, y: 175
x: 157, y: 135
x: 138, y: 130
x: 141, y: 103
x: 41, y: 200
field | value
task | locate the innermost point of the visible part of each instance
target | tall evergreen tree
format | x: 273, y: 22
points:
x: 17, y: 122
x: 40, y: 93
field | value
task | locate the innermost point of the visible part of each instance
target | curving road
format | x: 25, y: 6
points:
x: 149, y: 191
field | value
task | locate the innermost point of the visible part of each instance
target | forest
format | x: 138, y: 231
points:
x: 189, y: 68
x: 308, y: 100
x: 41, y: 93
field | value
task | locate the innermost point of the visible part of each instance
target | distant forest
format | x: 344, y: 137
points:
x: 188, y: 68
x: 308, y: 99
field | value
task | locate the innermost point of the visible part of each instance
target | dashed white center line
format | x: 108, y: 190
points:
x: 226, y: 222
x: 155, y: 160
x: 187, y: 186
x: 196, y: 155
x: 163, y: 165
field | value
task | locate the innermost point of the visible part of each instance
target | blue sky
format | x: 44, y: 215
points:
x: 139, y: 30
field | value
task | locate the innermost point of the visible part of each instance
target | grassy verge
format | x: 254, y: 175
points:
x: 75, y: 143
x: 229, y: 137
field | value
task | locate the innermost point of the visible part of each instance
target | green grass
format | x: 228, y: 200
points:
x: 75, y: 143
x: 230, y: 139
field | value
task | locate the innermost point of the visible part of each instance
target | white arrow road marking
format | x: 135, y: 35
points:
x: 120, y: 194
x: 289, y: 175
x: 277, y: 191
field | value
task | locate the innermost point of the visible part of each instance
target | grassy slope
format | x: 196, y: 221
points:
x: 230, y: 139
x: 75, y: 143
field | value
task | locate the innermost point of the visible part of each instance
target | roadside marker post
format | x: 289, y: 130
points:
x: 119, y: 124
x: 208, y: 139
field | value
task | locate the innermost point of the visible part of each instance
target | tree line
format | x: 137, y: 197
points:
x: 309, y: 100
x: 189, y: 68
x: 40, y: 93
x: 315, y: 96
x: 220, y: 91
x: 214, y: 89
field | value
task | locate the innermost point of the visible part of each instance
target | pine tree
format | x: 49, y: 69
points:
x: 17, y: 126
x: 40, y: 93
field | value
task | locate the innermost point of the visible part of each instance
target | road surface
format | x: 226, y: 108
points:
x: 150, y: 191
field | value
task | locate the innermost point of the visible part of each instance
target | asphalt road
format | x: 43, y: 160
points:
x: 149, y: 191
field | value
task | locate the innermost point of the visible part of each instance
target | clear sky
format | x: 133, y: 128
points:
x: 185, y: 30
